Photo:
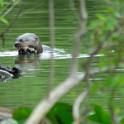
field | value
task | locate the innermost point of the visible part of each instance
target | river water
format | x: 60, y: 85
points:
x: 33, y: 84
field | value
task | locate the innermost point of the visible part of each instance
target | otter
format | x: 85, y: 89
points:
x: 28, y: 43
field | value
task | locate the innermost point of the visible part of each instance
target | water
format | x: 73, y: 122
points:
x: 46, y: 55
x: 29, y: 63
x: 33, y: 84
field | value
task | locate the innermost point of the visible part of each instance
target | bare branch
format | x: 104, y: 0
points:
x: 79, y: 33
x: 52, y: 23
x: 5, y: 113
x: 46, y: 104
x: 76, y: 105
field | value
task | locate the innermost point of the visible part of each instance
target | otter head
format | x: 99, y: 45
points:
x: 28, y: 43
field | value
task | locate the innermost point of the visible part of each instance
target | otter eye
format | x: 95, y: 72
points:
x: 20, y: 40
x: 36, y: 38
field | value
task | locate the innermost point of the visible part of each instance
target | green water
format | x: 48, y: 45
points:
x: 33, y: 85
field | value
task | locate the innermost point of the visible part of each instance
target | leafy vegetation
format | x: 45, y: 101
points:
x: 55, y: 116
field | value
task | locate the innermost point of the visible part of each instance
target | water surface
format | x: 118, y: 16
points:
x: 33, y: 84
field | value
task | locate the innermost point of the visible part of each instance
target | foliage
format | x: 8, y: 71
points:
x: 2, y: 19
x: 2, y: 2
x: 56, y: 115
x: 5, y: 8
x: 2, y: 7
x: 21, y: 114
x: 100, y: 115
x: 108, y: 30
x: 61, y: 113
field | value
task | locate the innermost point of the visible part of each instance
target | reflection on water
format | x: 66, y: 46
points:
x: 23, y: 64
x: 27, y: 63
x: 4, y: 75
x: 7, y: 73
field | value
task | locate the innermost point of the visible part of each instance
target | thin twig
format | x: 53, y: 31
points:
x: 80, y: 32
x: 52, y: 43
x: 111, y: 104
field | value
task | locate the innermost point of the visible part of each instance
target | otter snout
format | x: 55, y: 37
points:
x: 17, y: 45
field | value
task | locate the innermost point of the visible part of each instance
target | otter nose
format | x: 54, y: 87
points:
x: 17, y: 45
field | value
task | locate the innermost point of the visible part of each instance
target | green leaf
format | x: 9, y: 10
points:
x: 1, y: 3
x: 93, y: 24
x: 101, y: 17
x: 122, y: 121
x: 114, y: 80
x: 61, y: 113
x: 115, y: 37
x: 2, y: 19
x: 111, y: 23
x: 21, y: 114
x: 100, y: 115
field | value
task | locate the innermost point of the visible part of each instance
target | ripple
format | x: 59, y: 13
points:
x: 48, y: 54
